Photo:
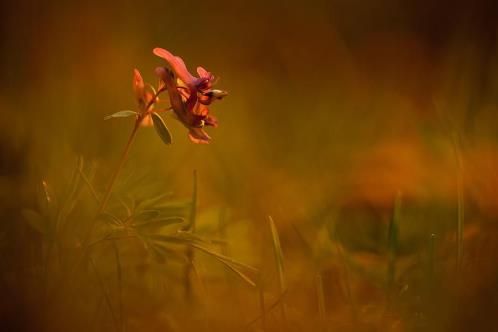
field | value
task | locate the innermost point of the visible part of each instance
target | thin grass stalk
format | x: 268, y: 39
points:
x: 189, y: 252
x: 95, y: 317
x: 345, y: 278
x: 119, y: 275
x: 261, y: 294
x: 456, y: 142
x: 279, y: 262
x: 90, y: 187
x: 106, y: 296
x: 222, y: 230
x: 460, y: 220
x: 321, y: 301
x: 268, y: 310
x: 61, y: 213
x: 432, y: 246
x: 393, y: 243
x: 230, y: 263
x: 225, y: 251
x: 203, y: 296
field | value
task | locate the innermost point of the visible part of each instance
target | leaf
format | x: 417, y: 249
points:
x: 161, y: 128
x: 224, y: 258
x: 279, y: 257
x: 147, y: 215
x: 169, y: 239
x: 108, y: 217
x: 151, y: 202
x: 163, y: 254
x: 232, y: 264
x: 121, y: 114
x: 159, y: 222
x: 174, y: 209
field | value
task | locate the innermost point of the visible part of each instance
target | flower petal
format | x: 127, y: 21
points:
x: 198, y: 136
x: 200, y: 109
x: 175, y: 98
x: 177, y: 65
x: 211, y: 121
x: 203, y: 73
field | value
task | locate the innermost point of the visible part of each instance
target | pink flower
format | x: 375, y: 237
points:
x: 189, y: 103
x: 203, y: 82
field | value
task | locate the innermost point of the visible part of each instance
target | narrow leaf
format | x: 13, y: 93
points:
x: 161, y: 128
x: 279, y: 257
x: 279, y: 260
x: 121, y: 114
x: 224, y: 258
x: 147, y: 215
x: 159, y: 222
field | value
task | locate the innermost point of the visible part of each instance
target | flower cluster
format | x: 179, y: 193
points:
x: 189, y: 96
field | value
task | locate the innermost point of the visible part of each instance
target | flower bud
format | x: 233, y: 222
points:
x: 139, y: 88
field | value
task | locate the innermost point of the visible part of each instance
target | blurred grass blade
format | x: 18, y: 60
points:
x: 159, y: 222
x: 190, y: 228
x: 279, y: 260
x: 119, y: 275
x: 393, y: 241
x: 308, y: 250
x: 163, y: 254
x: 169, y: 239
x: 193, y: 205
x: 92, y: 190
x: 121, y: 114
x: 460, y: 217
x: 261, y: 293
x: 238, y: 272
x: 150, y: 202
x: 224, y: 258
x: 321, y: 298
x: 106, y: 294
x: 161, y: 128
x: 279, y: 257
x: 146, y: 215
x: 108, y: 217
x: 432, y: 246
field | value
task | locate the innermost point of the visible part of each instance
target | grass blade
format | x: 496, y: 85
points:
x: 321, y: 298
x: 393, y: 242
x: 279, y: 261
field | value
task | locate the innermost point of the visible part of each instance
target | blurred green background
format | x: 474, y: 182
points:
x: 334, y: 107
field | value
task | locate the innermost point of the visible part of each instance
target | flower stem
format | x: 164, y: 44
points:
x: 122, y: 161
x: 124, y: 157
x: 110, y: 186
